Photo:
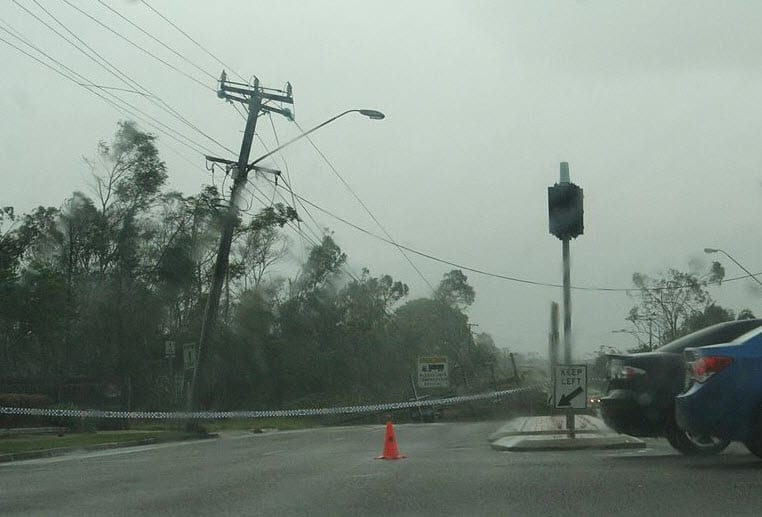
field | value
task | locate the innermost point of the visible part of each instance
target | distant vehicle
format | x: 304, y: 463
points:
x: 640, y: 398
x: 724, y: 393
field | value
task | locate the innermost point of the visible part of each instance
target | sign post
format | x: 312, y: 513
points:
x: 570, y: 390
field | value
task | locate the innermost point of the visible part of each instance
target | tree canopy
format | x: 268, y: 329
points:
x: 102, y: 300
x: 675, y: 304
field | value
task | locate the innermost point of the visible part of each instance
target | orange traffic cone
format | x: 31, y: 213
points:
x: 390, y: 445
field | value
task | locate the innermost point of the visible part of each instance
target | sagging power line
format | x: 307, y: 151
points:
x: 192, y: 40
x: 367, y: 210
x: 135, y: 45
x: 124, y: 107
x: 482, y: 271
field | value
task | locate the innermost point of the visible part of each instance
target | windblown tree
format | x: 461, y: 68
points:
x: 676, y: 304
x: 440, y: 326
x: 260, y: 245
x: 92, y: 291
x: 366, y: 306
x: 307, y: 355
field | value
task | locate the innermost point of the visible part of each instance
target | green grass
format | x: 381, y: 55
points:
x: 234, y: 424
x: 34, y: 443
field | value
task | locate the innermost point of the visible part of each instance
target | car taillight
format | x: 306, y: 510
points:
x: 705, y: 367
x: 618, y: 371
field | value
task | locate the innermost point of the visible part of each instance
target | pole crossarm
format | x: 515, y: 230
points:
x: 281, y: 97
x: 232, y: 163
x: 280, y: 111
x: 226, y: 87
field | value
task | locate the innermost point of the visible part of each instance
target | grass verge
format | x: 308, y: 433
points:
x: 232, y: 424
x: 35, y: 443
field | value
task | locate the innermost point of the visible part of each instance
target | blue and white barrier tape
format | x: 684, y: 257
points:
x: 218, y: 415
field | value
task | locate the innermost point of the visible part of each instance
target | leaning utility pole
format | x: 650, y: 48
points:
x: 251, y: 96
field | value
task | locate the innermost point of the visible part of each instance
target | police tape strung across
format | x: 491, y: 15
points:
x: 218, y: 415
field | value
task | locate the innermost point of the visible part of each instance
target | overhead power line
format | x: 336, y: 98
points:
x: 157, y: 40
x: 82, y: 81
x: 315, y: 242
x: 314, y: 238
x: 110, y: 68
x: 488, y: 273
x: 280, y: 153
x: 288, y: 174
x: 365, y: 207
x: 142, y: 49
x: 173, y: 111
x: 199, y: 45
x: 318, y: 233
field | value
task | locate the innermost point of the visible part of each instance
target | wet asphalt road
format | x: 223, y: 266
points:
x: 450, y: 470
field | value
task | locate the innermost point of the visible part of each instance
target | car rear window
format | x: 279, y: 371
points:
x: 714, y: 335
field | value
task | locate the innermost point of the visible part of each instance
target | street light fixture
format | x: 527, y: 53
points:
x: 374, y: 114
x: 371, y: 114
x: 717, y: 250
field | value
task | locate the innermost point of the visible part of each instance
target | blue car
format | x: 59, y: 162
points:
x: 724, y: 394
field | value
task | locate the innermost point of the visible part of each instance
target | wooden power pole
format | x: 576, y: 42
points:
x: 251, y: 96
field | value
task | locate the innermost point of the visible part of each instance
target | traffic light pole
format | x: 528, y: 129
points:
x: 567, y: 300
x: 570, y: 418
x: 566, y: 222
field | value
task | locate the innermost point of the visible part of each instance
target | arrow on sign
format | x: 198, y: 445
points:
x: 566, y: 399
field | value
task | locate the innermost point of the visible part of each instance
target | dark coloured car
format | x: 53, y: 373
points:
x: 640, y: 398
x: 724, y: 394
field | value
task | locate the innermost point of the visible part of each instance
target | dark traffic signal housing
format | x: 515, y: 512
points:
x: 565, y: 212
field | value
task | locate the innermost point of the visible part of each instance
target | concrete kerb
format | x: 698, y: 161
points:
x: 564, y: 443
x: 544, y: 433
x: 62, y: 451
x: 548, y: 425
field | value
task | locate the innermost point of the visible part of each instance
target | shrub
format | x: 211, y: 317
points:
x: 23, y: 400
x: 75, y: 424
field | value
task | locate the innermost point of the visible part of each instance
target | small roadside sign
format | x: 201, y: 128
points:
x: 570, y: 386
x: 169, y: 349
x: 433, y: 372
x: 189, y: 356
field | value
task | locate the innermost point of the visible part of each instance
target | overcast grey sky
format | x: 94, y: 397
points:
x: 655, y: 105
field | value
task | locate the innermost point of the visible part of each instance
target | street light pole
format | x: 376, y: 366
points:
x: 717, y: 250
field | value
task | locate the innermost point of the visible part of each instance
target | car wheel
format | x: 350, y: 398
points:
x: 692, y: 445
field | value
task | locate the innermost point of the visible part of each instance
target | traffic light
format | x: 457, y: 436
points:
x: 565, y: 212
